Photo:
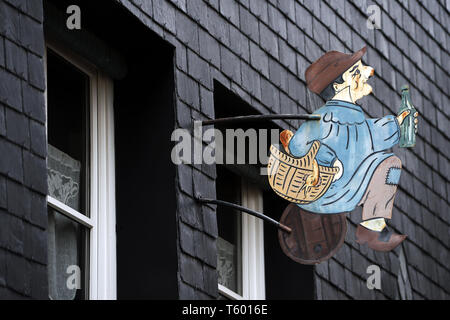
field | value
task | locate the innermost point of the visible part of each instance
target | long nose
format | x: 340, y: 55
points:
x: 368, y: 71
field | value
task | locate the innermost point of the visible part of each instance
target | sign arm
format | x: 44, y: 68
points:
x: 246, y: 210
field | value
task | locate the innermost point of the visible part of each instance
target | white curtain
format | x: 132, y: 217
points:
x: 63, y: 233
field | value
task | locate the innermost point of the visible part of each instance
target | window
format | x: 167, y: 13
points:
x: 251, y: 264
x: 81, y: 179
x: 240, y: 245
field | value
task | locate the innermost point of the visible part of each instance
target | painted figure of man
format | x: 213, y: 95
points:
x: 368, y: 173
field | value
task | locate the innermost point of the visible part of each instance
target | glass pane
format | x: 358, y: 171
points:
x: 229, y: 263
x: 63, y: 174
x: 68, y: 116
x: 67, y: 252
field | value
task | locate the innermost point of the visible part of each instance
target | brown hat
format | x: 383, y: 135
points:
x: 328, y: 67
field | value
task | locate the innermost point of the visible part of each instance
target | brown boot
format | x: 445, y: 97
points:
x: 380, y: 241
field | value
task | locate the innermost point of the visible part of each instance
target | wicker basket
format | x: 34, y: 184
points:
x: 287, y: 175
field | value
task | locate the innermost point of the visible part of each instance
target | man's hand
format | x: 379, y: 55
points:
x: 416, y: 121
x: 285, y: 138
x: 338, y: 164
x: 404, y: 114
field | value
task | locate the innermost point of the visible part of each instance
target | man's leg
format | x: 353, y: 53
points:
x: 379, y: 198
x: 378, y: 202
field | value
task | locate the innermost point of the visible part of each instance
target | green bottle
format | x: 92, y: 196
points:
x: 407, y: 128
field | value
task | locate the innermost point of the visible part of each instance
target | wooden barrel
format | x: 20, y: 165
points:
x: 314, y: 237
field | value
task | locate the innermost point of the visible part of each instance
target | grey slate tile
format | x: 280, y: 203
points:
x: 33, y: 102
x: 210, y: 277
x: 185, y: 291
x: 9, y: 22
x: 259, y: 9
x: 259, y: 59
x: 352, y: 284
x: 296, y: 37
x: 38, y: 208
x: 287, y: 56
x: 218, y: 27
x: 16, y: 234
x: 11, y: 166
x: 197, y: 9
x: 209, y: 221
x: 186, y: 236
x: 318, y: 288
x: 313, y: 51
x: 35, y: 9
x: 35, y: 172
x: 278, y: 74
x: 199, y: 69
x: 2, y: 51
x: 207, y: 102
x: 239, y: 43
x: 270, y: 95
x: 39, y: 282
x: 337, y: 275
x: 205, y: 248
x: 328, y: 16
x: 268, y: 40
x: 251, y: 80
x: 38, y: 138
x: 164, y: 13
x: 16, y: 272
x: 328, y: 292
x: 277, y: 21
x: 10, y: 90
x: 321, y: 36
x: 2, y: 121
x: 19, y: 4
x: 230, y: 10
x: 2, y: 266
x: 336, y: 44
x: 32, y: 35
x: 187, y: 30
x: 382, y: 44
x: 230, y: 64
x: 39, y: 242
x: 191, y: 271
x: 203, y: 185
x: 322, y: 269
x: 189, y: 211
x: 16, y: 59
x: 188, y: 90
x: 249, y: 24
x: 3, y: 193
x: 18, y: 128
x: 209, y: 48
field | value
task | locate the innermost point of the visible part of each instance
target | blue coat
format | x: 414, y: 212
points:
x: 359, y: 143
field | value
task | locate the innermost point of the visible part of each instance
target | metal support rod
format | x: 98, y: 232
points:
x: 261, y: 117
x: 247, y: 210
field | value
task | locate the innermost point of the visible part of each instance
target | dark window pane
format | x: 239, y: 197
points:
x: 67, y: 109
x: 67, y: 253
x: 228, y: 188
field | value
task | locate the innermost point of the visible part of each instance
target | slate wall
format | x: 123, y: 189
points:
x: 259, y: 50
x: 23, y: 175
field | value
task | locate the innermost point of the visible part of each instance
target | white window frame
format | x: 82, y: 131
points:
x: 102, y: 205
x: 252, y: 248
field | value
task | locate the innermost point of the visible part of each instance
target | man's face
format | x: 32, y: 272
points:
x: 356, y: 79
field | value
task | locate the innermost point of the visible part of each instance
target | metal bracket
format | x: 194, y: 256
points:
x: 261, y: 117
x: 246, y: 210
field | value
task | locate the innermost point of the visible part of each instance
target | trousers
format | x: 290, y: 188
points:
x: 378, y: 200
